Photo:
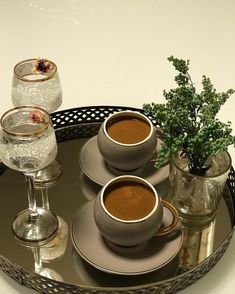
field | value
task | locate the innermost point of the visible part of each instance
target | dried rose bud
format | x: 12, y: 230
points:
x: 37, y: 116
x: 44, y: 66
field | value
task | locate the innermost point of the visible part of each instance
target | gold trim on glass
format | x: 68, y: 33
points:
x: 47, y: 121
x: 47, y: 77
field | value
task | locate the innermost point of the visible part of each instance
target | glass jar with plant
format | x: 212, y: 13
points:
x: 196, y: 141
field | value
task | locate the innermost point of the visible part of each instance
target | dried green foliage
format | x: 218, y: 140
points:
x: 188, y: 120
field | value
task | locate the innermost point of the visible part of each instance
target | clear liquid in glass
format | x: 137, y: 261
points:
x: 28, y: 153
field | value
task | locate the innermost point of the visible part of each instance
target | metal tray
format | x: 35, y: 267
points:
x: 202, y: 247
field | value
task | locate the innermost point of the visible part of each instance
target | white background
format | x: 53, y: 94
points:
x: 114, y: 52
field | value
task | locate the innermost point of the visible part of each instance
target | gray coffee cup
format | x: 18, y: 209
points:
x: 127, y: 156
x: 139, y: 225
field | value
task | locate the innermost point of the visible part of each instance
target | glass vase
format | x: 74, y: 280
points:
x: 197, y: 197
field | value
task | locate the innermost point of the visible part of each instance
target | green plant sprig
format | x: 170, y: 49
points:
x: 188, y: 121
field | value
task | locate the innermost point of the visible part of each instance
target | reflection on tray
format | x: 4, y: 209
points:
x: 41, y: 270
x: 53, y: 250
x: 198, y: 244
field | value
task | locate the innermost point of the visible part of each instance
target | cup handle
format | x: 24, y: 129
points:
x: 163, y: 231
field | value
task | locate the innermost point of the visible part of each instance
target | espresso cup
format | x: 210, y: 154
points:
x: 127, y: 140
x: 128, y: 211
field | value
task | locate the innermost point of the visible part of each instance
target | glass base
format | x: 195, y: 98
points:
x: 37, y: 231
x: 49, y: 175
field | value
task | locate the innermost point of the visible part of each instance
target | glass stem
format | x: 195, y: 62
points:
x: 45, y: 200
x: 31, y: 196
x: 37, y: 260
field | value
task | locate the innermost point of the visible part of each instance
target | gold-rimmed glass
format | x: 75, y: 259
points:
x: 36, y: 82
x: 28, y: 144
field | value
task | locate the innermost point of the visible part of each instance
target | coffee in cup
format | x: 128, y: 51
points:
x: 129, y: 212
x: 128, y: 200
x: 127, y: 140
x: 128, y: 129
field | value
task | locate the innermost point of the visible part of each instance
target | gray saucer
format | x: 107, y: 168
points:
x: 92, y: 247
x: 94, y: 166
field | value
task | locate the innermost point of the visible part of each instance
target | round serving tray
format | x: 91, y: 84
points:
x: 202, y: 247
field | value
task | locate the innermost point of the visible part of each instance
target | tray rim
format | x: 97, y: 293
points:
x: 38, y: 283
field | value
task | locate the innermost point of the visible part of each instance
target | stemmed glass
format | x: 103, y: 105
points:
x: 36, y: 82
x: 28, y: 144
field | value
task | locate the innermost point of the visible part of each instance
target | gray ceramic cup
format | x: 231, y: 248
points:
x: 132, y: 232
x: 126, y: 156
